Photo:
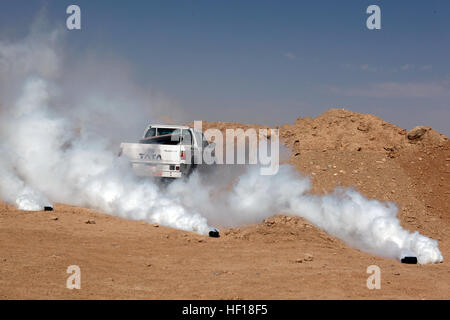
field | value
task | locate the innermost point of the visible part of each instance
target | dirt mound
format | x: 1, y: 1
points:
x: 343, y: 130
x: 379, y: 159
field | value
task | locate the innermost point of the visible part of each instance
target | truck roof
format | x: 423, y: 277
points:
x: 170, y: 126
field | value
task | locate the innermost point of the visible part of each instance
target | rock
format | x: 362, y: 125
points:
x: 363, y: 127
x: 54, y: 218
x: 416, y: 133
x: 308, y: 257
x: 155, y: 225
x: 90, y: 221
x: 299, y: 261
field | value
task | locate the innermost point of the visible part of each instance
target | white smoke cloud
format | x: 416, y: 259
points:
x: 368, y: 225
x: 59, y: 144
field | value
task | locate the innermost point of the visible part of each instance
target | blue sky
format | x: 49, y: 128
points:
x: 270, y: 62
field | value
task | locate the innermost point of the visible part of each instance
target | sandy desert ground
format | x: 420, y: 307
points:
x: 283, y: 257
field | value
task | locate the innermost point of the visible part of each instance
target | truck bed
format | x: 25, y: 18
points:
x: 149, y: 159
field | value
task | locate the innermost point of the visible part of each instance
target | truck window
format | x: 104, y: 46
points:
x: 150, y: 133
x: 164, y: 131
x: 167, y: 136
x: 186, y: 138
x: 201, y: 139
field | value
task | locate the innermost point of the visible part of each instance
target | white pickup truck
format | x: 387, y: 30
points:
x: 166, y: 151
